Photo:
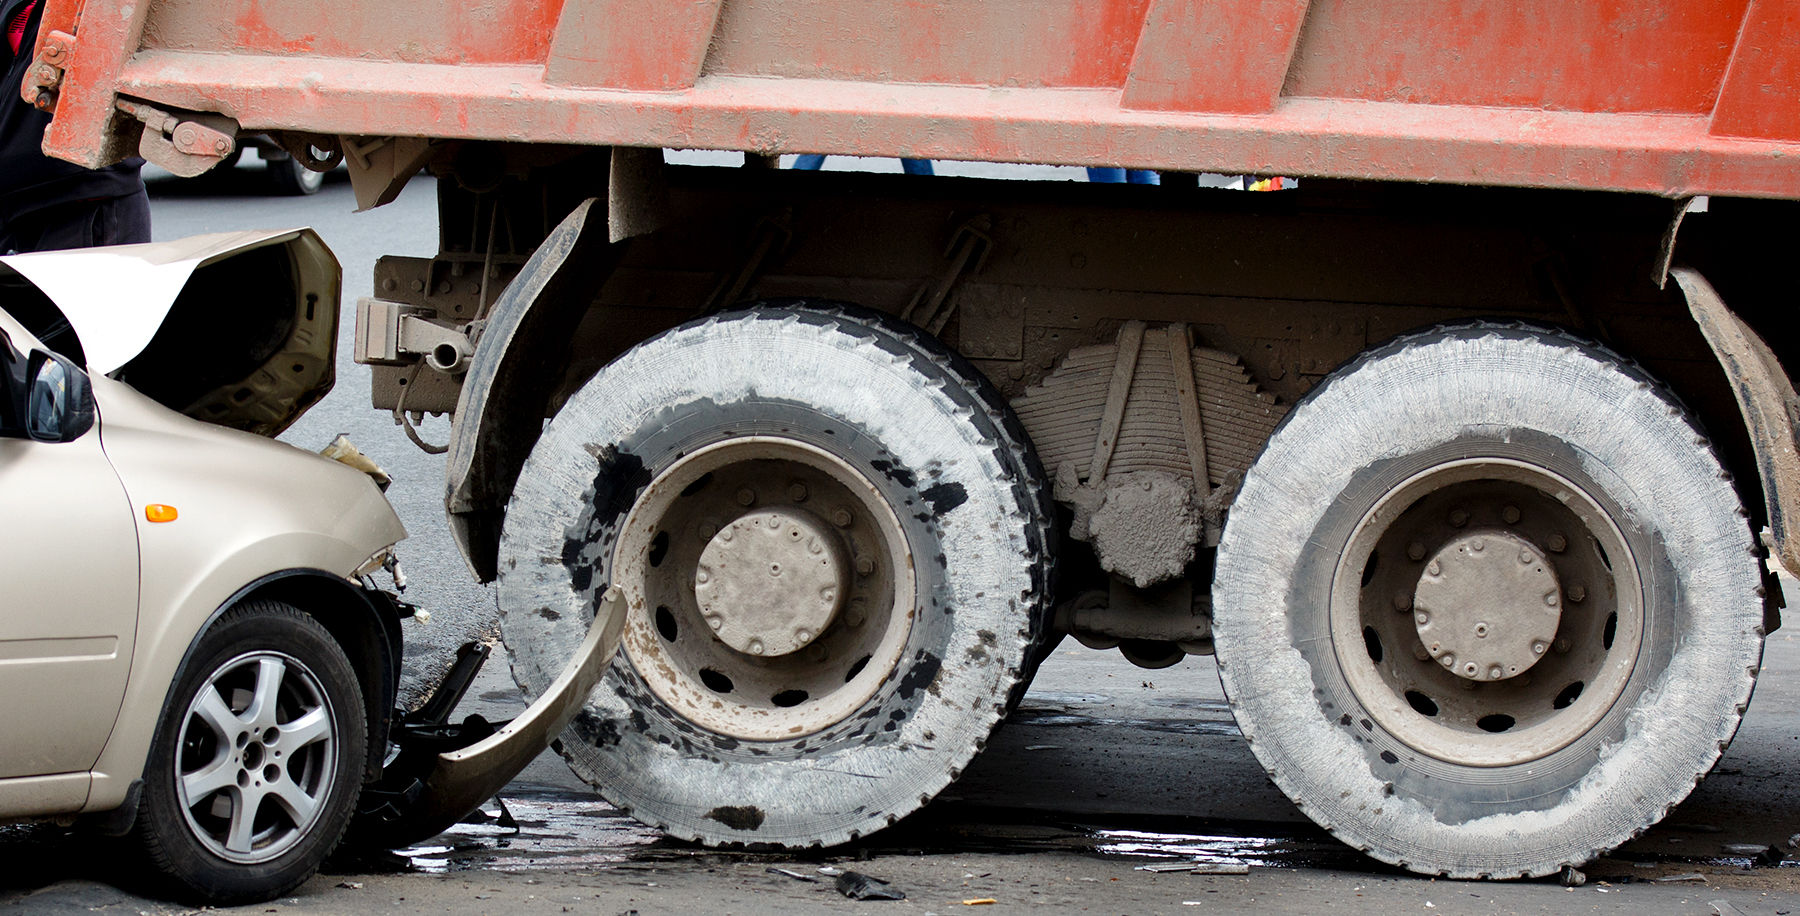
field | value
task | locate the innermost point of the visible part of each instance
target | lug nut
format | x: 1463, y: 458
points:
x: 1561, y: 644
x: 746, y: 496
x: 1494, y: 672
x: 1459, y: 518
x: 1510, y: 515
x: 707, y: 530
x: 843, y: 518
x: 756, y: 647
x: 1558, y: 543
x: 864, y: 566
x: 1422, y: 618
x: 1402, y: 601
x: 1537, y: 648
x: 1434, y: 569
x: 1576, y: 593
x: 1420, y: 653
x: 1550, y: 599
x: 797, y: 491
x: 1416, y: 550
x: 803, y: 636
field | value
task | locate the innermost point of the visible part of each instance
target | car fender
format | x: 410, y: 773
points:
x: 237, y: 523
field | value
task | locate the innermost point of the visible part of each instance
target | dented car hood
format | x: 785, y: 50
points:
x: 234, y: 328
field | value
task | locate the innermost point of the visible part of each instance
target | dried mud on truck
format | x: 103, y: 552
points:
x: 1468, y: 458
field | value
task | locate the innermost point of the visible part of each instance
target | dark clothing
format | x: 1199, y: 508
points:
x: 31, y: 182
x: 80, y: 224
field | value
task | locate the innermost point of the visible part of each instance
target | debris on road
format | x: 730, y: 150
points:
x: 1691, y: 876
x: 858, y: 886
x: 980, y: 901
x: 1724, y: 908
x: 1572, y: 877
x: 1198, y: 868
x: 1745, y: 849
x: 830, y: 872
x: 792, y: 874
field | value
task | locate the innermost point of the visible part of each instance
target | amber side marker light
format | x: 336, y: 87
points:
x: 157, y: 512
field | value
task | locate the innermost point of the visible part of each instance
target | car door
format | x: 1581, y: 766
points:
x: 68, y: 591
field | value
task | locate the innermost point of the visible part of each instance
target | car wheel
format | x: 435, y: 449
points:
x: 833, y: 540
x: 258, y: 761
x: 1488, y: 605
x: 292, y: 178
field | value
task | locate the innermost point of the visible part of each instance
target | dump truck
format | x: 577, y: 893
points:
x: 1468, y: 458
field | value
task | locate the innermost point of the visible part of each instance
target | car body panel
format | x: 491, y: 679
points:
x: 66, y: 640
x: 235, y: 328
x: 238, y: 521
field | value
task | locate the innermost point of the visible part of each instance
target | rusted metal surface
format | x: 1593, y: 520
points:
x: 1670, y: 99
x: 1768, y: 401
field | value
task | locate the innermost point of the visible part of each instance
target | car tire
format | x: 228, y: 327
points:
x: 266, y: 717
x: 895, y: 472
x: 1537, y: 504
x: 293, y: 179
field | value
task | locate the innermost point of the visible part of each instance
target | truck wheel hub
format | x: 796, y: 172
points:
x: 1487, y: 605
x: 771, y: 581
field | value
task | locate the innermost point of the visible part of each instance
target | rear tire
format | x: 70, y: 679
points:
x: 1624, y: 572
x: 293, y: 179
x: 896, y: 473
x: 258, y: 762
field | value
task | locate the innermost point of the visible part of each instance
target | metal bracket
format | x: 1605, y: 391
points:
x: 186, y: 146
x: 968, y: 251
x: 39, y: 88
x: 394, y: 334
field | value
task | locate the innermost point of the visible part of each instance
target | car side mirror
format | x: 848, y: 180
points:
x: 59, y: 400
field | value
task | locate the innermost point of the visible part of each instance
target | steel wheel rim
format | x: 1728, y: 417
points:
x: 680, y: 647
x: 1486, y: 717
x: 256, y: 757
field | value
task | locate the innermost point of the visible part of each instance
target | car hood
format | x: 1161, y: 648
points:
x: 237, y: 329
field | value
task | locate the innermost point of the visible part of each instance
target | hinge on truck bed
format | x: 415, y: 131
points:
x: 186, y: 146
x: 41, y: 81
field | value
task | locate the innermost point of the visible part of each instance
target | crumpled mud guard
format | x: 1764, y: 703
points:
x: 461, y: 779
x: 1768, y: 401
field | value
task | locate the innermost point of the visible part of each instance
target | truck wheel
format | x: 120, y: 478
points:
x: 293, y: 179
x: 1487, y: 605
x: 833, y: 539
x: 258, y: 762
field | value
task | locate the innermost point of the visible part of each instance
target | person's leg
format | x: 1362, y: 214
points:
x: 1106, y: 176
x: 1142, y: 176
x: 916, y: 166
x: 809, y: 162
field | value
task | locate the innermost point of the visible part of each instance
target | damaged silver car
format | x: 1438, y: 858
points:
x: 193, y: 649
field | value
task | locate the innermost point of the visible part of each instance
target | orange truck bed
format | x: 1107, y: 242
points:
x: 1670, y: 98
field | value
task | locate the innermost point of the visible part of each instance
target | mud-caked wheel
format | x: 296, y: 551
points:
x: 1487, y: 605
x: 832, y: 539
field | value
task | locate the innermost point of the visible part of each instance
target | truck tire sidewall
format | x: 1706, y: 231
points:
x: 1514, y: 393
x: 970, y: 514
x: 172, y: 852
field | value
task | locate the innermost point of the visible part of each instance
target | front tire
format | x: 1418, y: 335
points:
x: 257, y: 765
x: 833, y: 542
x: 1487, y: 605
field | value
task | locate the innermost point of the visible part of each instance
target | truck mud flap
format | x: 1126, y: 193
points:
x: 418, y: 798
x: 1769, y: 404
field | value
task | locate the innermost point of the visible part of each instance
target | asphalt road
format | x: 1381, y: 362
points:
x: 1104, y: 769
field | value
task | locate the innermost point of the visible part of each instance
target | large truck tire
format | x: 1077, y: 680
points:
x: 1488, y: 605
x: 833, y: 540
